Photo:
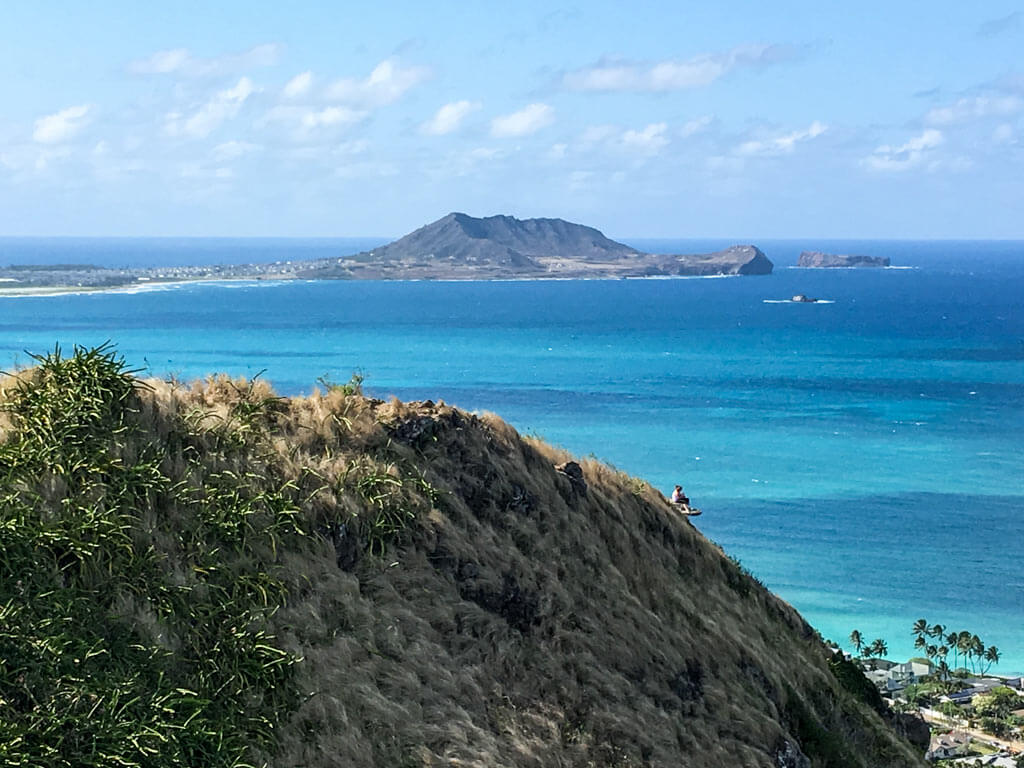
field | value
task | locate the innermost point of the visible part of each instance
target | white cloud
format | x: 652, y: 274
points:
x: 1003, y: 134
x: 180, y: 61
x: 61, y: 126
x: 222, y: 107
x: 467, y: 162
x: 695, y: 126
x: 671, y: 75
x: 321, y: 153
x: 329, y: 116
x: 642, y: 142
x: 648, y: 141
x: 387, y: 83
x: 305, y: 120
x: 905, y: 156
x: 527, y: 120
x: 597, y: 134
x: 230, y: 150
x: 781, y: 145
x: 162, y: 62
x: 974, y: 108
x: 367, y: 170
x: 449, y: 117
x: 723, y: 164
x: 298, y: 85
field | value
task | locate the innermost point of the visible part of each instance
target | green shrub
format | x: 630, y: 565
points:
x: 134, y: 603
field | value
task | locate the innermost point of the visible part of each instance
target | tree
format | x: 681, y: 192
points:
x: 995, y: 726
x: 866, y: 653
x: 857, y: 640
x: 920, y: 627
x: 991, y: 656
x: 997, y: 703
x: 963, y: 644
x: 879, y: 647
x: 977, y: 650
x: 919, y: 695
x: 951, y: 642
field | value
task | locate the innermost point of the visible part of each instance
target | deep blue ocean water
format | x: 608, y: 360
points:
x: 864, y: 458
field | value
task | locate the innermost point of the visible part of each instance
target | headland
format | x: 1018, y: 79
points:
x: 455, y: 247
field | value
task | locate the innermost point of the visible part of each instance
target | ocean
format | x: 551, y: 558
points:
x: 862, y: 457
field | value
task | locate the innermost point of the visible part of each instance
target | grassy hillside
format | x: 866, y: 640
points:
x: 207, y: 574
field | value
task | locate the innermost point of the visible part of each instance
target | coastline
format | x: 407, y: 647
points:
x: 43, y: 291
x: 698, y: 373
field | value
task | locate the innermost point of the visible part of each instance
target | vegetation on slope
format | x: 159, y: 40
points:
x: 212, y: 575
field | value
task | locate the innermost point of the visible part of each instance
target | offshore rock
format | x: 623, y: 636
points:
x: 818, y: 260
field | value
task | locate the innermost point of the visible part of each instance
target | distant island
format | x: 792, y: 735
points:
x: 461, y: 247
x: 819, y: 260
x: 455, y: 247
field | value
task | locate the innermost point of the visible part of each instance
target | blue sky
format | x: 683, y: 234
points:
x: 652, y: 119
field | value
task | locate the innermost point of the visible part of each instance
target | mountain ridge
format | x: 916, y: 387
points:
x: 460, y: 246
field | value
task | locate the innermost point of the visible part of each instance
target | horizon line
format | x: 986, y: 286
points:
x: 622, y: 238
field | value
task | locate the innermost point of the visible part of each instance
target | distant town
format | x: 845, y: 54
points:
x: 974, y: 717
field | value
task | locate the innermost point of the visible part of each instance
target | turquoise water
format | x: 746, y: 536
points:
x: 863, y: 458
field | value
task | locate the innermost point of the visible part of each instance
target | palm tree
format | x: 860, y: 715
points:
x: 951, y: 641
x: 943, y: 669
x: 920, y: 642
x: 920, y: 628
x: 963, y: 644
x: 867, y: 652
x: 977, y: 649
x: 936, y: 630
x: 857, y: 639
x: 879, y: 647
x: 991, y: 656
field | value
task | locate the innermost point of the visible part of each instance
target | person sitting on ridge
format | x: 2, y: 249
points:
x: 678, y: 497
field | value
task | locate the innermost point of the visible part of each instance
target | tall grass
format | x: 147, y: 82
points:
x: 192, y: 576
x: 133, y: 601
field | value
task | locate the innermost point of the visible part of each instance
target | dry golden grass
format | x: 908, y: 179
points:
x: 478, y: 610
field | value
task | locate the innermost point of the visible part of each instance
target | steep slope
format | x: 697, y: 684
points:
x: 211, y: 575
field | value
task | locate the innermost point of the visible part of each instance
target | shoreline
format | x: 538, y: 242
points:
x: 43, y: 291
x: 155, y: 286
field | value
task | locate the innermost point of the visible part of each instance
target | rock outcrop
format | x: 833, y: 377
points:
x: 817, y: 260
x: 736, y: 260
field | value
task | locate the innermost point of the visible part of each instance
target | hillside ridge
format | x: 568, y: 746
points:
x: 210, y: 574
